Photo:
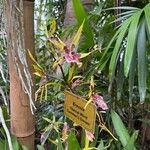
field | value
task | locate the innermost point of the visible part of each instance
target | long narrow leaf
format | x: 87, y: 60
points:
x: 52, y: 28
x: 73, y: 142
x: 101, y: 146
x: 147, y: 15
x: 103, y: 59
x: 123, y: 8
x: 120, y: 128
x: 142, y: 71
x: 119, y: 41
x: 131, y: 142
x: 127, y: 12
x: 15, y: 143
x: 131, y: 39
x: 132, y: 73
x: 121, y: 18
x: 120, y: 79
x: 40, y: 147
x: 81, y: 15
x: 3, y: 144
x: 78, y: 35
x: 60, y: 146
x: 118, y: 32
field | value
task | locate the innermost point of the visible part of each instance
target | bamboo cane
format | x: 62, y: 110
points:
x: 22, y: 120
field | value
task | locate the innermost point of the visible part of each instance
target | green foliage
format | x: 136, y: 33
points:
x: 125, y: 48
x: 72, y: 142
x: 81, y: 16
x: 40, y: 147
x: 121, y: 131
x: 130, y: 47
x: 101, y: 145
x: 120, y: 47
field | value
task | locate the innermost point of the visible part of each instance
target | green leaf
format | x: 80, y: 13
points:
x: 83, y: 55
x: 25, y: 148
x: 113, y: 62
x: 98, y: 9
x: 120, y: 79
x: 15, y: 143
x: 132, y: 73
x: 52, y: 28
x: 101, y: 146
x: 131, y: 143
x: 66, y: 67
x: 142, y: 68
x: 103, y: 61
x: 81, y: 16
x: 60, y: 146
x: 58, y: 43
x: 40, y: 147
x: 83, y: 138
x: 147, y: 15
x: 110, y: 43
x: 3, y: 145
x: 120, y: 129
x: 77, y: 35
x: 71, y: 72
x: 131, y: 39
x: 73, y: 142
x: 146, y: 121
x: 123, y: 8
x: 2, y: 132
x: 128, y: 12
x: 122, y: 18
x: 105, y: 56
x: 90, y: 72
x: 33, y: 59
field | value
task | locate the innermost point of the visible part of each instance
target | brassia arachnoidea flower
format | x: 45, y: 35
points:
x: 89, y: 135
x: 68, y: 53
x: 72, y: 57
x: 99, y: 101
x: 76, y: 83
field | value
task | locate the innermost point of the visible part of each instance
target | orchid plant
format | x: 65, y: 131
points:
x: 62, y: 53
x: 68, y: 75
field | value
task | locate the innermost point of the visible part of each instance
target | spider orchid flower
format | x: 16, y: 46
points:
x: 89, y: 135
x: 99, y: 101
x: 65, y: 131
x: 72, y: 57
x: 68, y: 52
x: 76, y: 83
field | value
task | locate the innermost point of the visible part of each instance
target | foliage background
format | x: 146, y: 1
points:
x: 103, y: 25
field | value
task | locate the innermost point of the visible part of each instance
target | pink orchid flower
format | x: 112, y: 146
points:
x: 43, y: 80
x: 72, y: 57
x: 99, y: 101
x: 89, y: 135
x: 65, y: 131
x: 76, y: 83
x: 65, y: 127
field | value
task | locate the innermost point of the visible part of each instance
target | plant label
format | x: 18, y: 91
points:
x: 74, y: 110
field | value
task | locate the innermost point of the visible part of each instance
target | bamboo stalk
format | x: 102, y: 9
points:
x: 22, y: 119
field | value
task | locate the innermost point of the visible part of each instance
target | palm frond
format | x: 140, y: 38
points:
x: 142, y: 68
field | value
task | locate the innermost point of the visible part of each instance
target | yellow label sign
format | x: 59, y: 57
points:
x: 74, y: 110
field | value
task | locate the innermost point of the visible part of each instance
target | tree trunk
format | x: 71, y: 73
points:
x: 22, y: 120
x: 69, y: 15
